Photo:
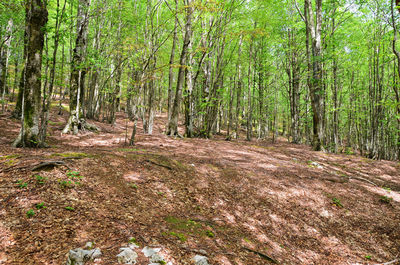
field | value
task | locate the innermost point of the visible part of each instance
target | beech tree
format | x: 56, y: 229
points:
x: 36, y: 18
x: 323, y: 73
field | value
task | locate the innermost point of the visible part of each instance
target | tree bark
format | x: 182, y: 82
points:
x: 37, y: 17
x: 76, y: 120
x: 173, y: 123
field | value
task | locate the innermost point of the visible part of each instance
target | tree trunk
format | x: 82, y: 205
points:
x: 36, y: 18
x: 173, y: 123
x: 76, y: 120
x: 316, y: 91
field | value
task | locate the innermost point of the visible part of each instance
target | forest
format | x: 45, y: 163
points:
x: 199, y: 132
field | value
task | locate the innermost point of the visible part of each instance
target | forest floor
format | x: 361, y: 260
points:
x: 282, y: 200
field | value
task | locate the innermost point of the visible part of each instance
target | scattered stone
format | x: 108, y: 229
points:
x: 157, y: 258
x: 89, y: 245
x: 80, y: 256
x: 127, y: 256
x: 133, y: 246
x: 315, y: 164
x: 148, y: 252
x: 201, y: 260
x: 202, y: 251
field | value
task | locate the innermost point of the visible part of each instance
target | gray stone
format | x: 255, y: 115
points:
x: 315, y: 164
x: 127, y: 256
x: 133, y: 246
x: 89, y: 245
x: 148, y: 252
x: 156, y: 258
x: 200, y: 260
x: 80, y: 256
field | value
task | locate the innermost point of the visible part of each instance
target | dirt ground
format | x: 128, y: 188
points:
x: 238, y: 201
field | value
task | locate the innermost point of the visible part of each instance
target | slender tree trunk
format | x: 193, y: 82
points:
x: 171, y: 63
x: 76, y: 120
x: 173, y: 123
x: 47, y: 98
x: 239, y: 88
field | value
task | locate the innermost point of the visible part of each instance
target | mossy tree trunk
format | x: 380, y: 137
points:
x: 37, y: 17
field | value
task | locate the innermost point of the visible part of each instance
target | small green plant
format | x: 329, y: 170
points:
x: 160, y: 193
x: 134, y: 186
x: 247, y: 240
x: 74, y: 175
x: 69, y: 208
x: 368, y: 257
x: 210, y: 234
x: 132, y: 240
x: 180, y: 236
x: 337, y: 202
x: 21, y: 184
x: 64, y: 184
x: 387, y: 189
x: 162, y: 262
x: 39, y: 179
x: 30, y: 213
x: 349, y: 151
x: 386, y: 199
x: 40, y: 206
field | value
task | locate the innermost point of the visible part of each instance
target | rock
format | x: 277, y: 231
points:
x: 315, y: 164
x: 133, y: 246
x: 201, y: 260
x: 127, y: 256
x: 89, y: 245
x: 81, y: 256
x: 202, y: 251
x: 148, y: 252
x: 157, y: 258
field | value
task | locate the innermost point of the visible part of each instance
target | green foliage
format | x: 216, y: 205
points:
x: 39, y: 179
x: 368, y: 257
x: 337, y: 202
x: 386, y: 199
x: 210, y: 234
x: 30, y: 213
x: 71, y: 155
x: 74, y: 175
x: 69, y: 208
x: 180, y: 236
x: 21, y: 184
x: 64, y: 184
x: 132, y: 240
x: 72, y: 181
x: 40, y: 206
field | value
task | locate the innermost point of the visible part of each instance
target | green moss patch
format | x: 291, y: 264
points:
x: 71, y: 155
x: 182, y: 228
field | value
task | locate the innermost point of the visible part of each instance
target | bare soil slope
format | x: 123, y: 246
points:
x: 229, y: 199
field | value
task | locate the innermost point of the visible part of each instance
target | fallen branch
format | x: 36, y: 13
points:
x: 261, y: 255
x: 157, y: 164
x: 49, y: 164
x: 363, y: 179
x: 390, y: 262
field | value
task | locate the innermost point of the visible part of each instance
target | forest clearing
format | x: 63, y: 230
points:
x: 168, y: 132
x: 284, y: 200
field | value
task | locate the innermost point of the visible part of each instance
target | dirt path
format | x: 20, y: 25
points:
x: 194, y: 195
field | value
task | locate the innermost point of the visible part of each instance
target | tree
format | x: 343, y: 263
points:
x: 76, y: 120
x: 36, y: 18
